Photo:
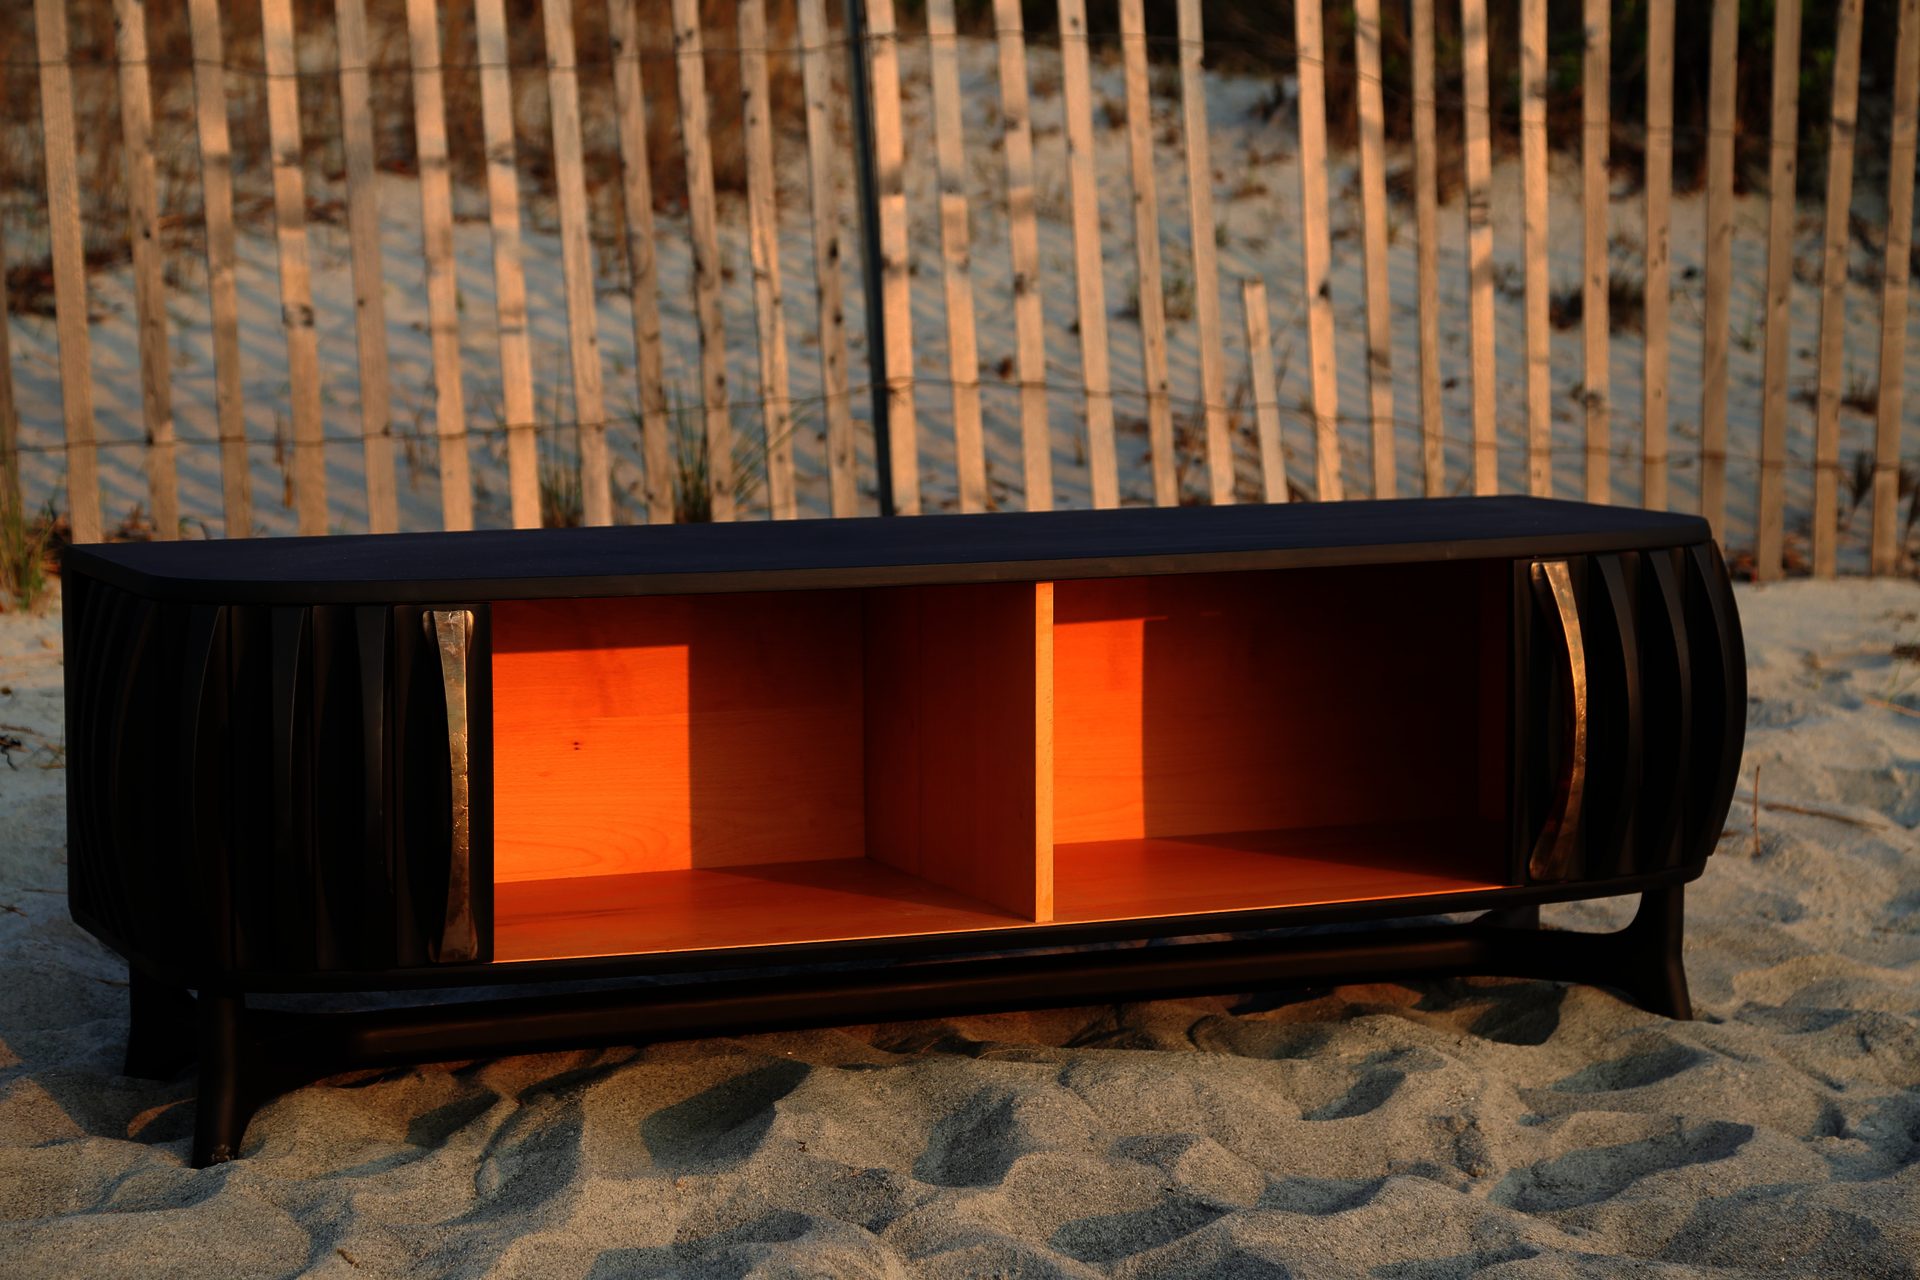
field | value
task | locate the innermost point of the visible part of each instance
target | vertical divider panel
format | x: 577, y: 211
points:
x: 1096, y: 376
x: 1833, y: 293
x: 956, y: 257
x: 769, y: 299
x: 1893, y: 297
x: 656, y: 447
x: 959, y: 738
x: 1266, y: 389
x: 1206, y: 258
x: 443, y: 281
x: 1596, y: 78
x: 1146, y: 250
x: 69, y: 270
x: 369, y: 304
x: 696, y: 144
x: 1373, y: 200
x: 296, y: 283
x: 1714, y: 332
x: 1782, y: 174
x: 1023, y: 244
x: 842, y: 491
x: 1654, y: 412
x: 509, y: 275
x: 150, y: 301
x: 216, y: 186
x: 890, y: 163
x: 1533, y: 164
x: 576, y: 256
x: 1479, y: 158
x: 1426, y: 203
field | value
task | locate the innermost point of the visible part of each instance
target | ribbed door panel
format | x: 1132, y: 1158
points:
x: 1665, y: 683
x: 263, y: 789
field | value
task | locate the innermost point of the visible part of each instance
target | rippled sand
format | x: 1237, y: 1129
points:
x: 1437, y: 1129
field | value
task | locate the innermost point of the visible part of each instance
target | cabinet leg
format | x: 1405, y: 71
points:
x: 1522, y: 917
x: 224, y: 1104
x: 160, y: 1033
x: 1654, y: 974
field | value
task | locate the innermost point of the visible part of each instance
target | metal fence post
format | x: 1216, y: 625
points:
x: 860, y: 84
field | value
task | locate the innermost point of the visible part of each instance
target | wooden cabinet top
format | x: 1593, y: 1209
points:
x: 786, y: 555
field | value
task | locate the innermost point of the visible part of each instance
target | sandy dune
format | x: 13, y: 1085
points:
x: 1423, y: 1131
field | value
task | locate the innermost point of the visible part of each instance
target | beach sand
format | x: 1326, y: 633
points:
x: 1410, y: 1132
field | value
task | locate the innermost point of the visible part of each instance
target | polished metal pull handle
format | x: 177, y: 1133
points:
x: 1555, y: 854
x: 451, y: 632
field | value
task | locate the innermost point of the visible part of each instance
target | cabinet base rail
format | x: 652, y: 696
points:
x: 248, y: 1057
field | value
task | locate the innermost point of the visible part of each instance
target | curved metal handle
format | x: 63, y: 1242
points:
x: 1556, y: 852
x: 451, y: 632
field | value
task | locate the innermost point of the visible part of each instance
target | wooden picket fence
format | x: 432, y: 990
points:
x: 875, y: 76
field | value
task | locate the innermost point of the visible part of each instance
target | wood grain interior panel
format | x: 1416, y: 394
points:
x: 1250, y: 870
x: 841, y: 899
x: 745, y: 906
x: 1190, y: 704
x: 959, y: 738
x: 661, y: 733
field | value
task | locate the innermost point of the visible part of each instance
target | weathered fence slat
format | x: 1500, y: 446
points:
x: 1659, y: 168
x: 636, y: 189
x: 1023, y: 243
x: 763, y: 217
x: 1266, y: 389
x: 1596, y: 76
x: 1533, y: 164
x: 1206, y: 258
x: 1426, y: 204
x: 1479, y: 124
x: 509, y: 275
x: 216, y: 187
x: 1893, y: 295
x: 1722, y: 83
x: 149, y: 291
x: 1151, y: 309
x: 369, y: 280
x: 1096, y: 377
x: 824, y: 195
x: 9, y: 416
x: 296, y: 280
x: 702, y: 221
x: 1833, y: 292
x: 69, y: 270
x: 1373, y: 205
x: 896, y: 282
x: 1316, y: 254
x: 443, y: 282
x: 576, y: 258
x: 956, y: 257
x: 1782, y: 173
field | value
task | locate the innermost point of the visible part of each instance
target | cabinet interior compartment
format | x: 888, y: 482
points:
x: 707, y: 771
x: 1245, y: 740
x: 677, y: 773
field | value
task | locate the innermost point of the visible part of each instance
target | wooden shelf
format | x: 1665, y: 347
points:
x: 765, y: 905
x: 848, y: 898
x: 1254, y: 870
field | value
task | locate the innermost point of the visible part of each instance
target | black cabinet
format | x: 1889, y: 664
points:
x: 434, y: 760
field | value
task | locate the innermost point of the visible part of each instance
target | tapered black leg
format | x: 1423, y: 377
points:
x: 225, y: 1102
x: 1655, y: 974
x: 161, y: 1030
x: 1522, y: 917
